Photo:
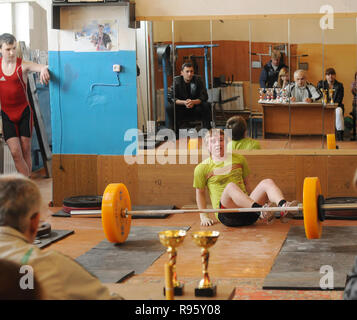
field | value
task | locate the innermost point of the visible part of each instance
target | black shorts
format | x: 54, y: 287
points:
x: 237, y: 219
x: 22, y: 128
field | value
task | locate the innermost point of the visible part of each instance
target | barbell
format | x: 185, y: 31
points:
x: 116, y: 210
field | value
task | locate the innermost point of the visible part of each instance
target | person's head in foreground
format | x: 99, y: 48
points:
x: 20, y: 204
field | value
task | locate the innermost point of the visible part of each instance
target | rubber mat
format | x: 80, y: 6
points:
x: 316, y: 264
x: 113, y: 262
x: 55, y: 235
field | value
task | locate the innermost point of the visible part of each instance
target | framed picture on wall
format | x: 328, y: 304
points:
x: 97, y: 35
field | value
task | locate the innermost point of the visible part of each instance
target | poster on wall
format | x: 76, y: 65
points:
x: 97, y: 35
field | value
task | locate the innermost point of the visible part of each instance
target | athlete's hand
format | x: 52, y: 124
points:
x: 205, y: 220
x: 44, y: 75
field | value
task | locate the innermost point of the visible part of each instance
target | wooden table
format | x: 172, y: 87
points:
x: 305, y: 118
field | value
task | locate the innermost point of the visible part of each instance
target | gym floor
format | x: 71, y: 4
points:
x: 242, y: 257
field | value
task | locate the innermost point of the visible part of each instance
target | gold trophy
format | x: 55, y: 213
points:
x: 324, y: 92
x: 330, y: 92
x: 205, y: 240
x: 172, y: 239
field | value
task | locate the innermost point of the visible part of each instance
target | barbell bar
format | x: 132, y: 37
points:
x: 116, y: 210
x: 298, y: 208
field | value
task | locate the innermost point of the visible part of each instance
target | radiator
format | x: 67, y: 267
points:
x: 7, y: 164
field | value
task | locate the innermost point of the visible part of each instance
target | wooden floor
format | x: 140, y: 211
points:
x: 241, y: 257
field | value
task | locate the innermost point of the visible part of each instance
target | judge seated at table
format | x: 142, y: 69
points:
x: 301, y: 90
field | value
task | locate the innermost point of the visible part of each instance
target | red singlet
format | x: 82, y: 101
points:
x: 13, y: 92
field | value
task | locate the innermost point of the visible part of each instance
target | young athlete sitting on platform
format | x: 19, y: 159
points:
x: 226, y: 177
x: 239, y: 139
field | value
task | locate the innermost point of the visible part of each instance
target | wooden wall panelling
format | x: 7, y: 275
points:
x: 79, y: 176
x: 341, y: 170
x: 280, y: 168
x: 169, y: 184
x: 231, y: 58
x: 114, y: 169
x: 311, y: 166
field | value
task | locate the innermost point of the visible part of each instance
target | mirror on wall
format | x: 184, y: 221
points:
x: 230, y: 69
x: 339, y: 57
x: 269, y: 53
x: 192, y: 42
x: 308, y: 120
x: 230, y: 55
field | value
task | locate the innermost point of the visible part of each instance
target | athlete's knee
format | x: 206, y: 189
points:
x: 231, y: 186
x: 17, y: 154
x: 268, y: 182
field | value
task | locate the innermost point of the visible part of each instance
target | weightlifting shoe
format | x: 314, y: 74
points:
x: 267, y: 217
x: 285, y: 216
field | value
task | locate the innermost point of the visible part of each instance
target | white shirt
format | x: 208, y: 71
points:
x: 301, y: 93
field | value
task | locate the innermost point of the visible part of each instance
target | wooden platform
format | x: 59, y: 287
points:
x: 172, y: 182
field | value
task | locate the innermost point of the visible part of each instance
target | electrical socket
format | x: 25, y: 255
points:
x: 116, y: 67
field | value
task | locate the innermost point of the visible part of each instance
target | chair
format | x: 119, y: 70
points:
x: 255, y: 119
x: 215, y: 98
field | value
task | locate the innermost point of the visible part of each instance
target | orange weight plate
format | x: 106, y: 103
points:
x: 312, y: 223
x: 116, y: 224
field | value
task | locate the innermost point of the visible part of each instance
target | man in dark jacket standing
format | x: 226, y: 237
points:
x: 189, y: 96
x: 271, y: 70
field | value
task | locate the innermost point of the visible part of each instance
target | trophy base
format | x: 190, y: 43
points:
x: 206, y: 292
x: 178, y: 291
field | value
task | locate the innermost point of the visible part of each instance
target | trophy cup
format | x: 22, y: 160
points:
x: 284, y: 95
x: 330, y: 92
x: 324, y: 92
x: 205, y: 240
x: 261, y: 94
x: 278, y: 95
x: 172, y: 239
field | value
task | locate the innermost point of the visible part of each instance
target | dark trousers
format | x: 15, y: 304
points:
x: 353, y: 114
x: 200, y: 112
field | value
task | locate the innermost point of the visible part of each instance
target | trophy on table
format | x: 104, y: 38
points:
x: 330, y: 92
x: 278, y: 95
x: 284, y: 95
x: 325, y: 96
x: 171, y: 239
x: 269, y: 94
x: 205, y: 240
x: 261, y: 95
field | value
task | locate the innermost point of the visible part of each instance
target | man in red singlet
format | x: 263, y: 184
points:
x: 16, y: 113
